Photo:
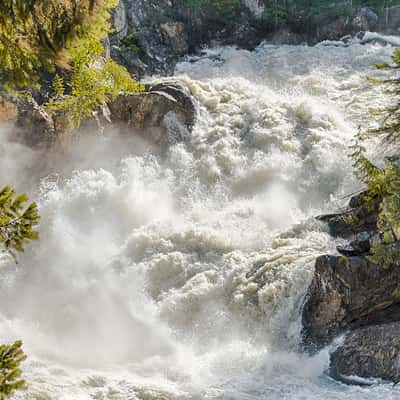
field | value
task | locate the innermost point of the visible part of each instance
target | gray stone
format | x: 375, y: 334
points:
x: 361, y: 216
x: 347, y: 293
x: 358, y: 247
x: 120, y: 21
x: 175, y: 36
x: 370, y: 352
x: 161, y: 112
x: 365, y: 20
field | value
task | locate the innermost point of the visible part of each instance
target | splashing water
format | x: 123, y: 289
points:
x: 182, y: 275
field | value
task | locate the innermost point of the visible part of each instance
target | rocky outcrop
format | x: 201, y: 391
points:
x: 8, y: 110
x: 35, y: 127
x: 365, y: 20
x: 346, y: 293
x: 175, y: 36
x: 361, y: 216
x: 151, y: 35
x: 120, y: 22
x: 349, y: 294
x: 162, y: 113
x: 371, y: 352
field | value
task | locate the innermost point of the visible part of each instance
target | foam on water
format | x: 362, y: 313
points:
x: 181, y: 275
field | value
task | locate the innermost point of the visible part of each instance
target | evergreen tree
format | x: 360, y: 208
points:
x: 389, y: 128
x: 11, y: 357
x: 17, y: 222
x: 384, y: 182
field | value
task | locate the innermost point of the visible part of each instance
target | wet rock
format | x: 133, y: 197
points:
x: 175, y: 36
x: 361, y: 216
x: 8, y: 110
x: 347, y: 293
x: 130, y: 59
x: 163, y: 113
x: 119, y: 22
x: 370, y: 352
x: 34, y: 126
x: 358, y: 247
x: 365, y: 19
x: 256, y: 7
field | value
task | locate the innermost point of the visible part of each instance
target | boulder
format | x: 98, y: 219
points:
x: 175, y: 36
x: 346, y: 293
x: 8, y: 110
x: 34, y: 126
x: 370, y: 352
x: 358, y: 247
x: 365, y: 20
x: 361, y: 216
x: 162, y: 113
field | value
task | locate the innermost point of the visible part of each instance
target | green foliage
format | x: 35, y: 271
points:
x: 90, y: 86
x: 38, y: 33
x: 225, y: 9
x: 384, y: 182
x: 307, y: 13
x: 131, y: 41
x: 396, y: 294
x: 276, y: 13
x: 17, y: 222
x: 11, y: 357
x: 66, y: 36
x: 389, y: 128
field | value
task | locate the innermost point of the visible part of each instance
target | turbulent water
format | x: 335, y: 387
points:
x: 181, y: 274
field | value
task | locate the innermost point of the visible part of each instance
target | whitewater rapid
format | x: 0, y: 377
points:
x: 181, y: 274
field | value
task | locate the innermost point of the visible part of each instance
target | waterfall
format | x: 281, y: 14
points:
x: 180, y: 274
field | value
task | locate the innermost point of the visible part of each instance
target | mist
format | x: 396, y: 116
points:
x: 179, y: 272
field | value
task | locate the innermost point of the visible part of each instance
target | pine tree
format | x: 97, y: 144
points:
x: 11, y: 357
x: 389, y: 129
x: 17, y: 222
x: 384, y: 182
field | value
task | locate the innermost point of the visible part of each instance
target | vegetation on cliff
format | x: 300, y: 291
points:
x: 17, y: 221
x: 11, y: 356
x: 17, y: 228
x: 65, y: 40
x: 384, y: 181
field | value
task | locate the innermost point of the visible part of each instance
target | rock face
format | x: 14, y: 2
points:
x: 365, y: 20
x: 120, y: 21
x: 347, y: 293
x: 175, y: 36
x: 350, y: 294
x: 34, y: 126
x: 371, y: 352
x: 361, y: 216
x: 8, y: 110
x: 163, y: 113
x: 151, y: 35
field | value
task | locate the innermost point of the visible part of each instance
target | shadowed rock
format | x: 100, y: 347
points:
x: 164, y: 113
x: 371, y: 352
x: 361, y: 216
x: 347, y: 293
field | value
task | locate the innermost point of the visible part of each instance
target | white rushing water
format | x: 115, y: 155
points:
x: 182, y: 275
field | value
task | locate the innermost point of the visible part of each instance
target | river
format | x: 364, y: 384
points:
x: 181, y: 274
